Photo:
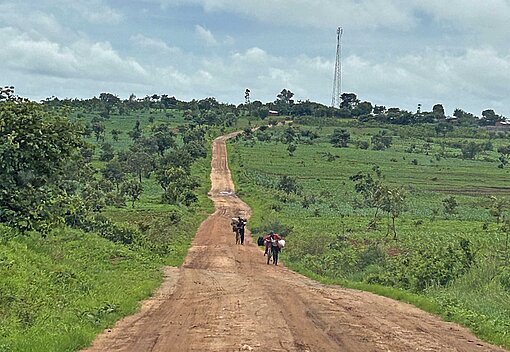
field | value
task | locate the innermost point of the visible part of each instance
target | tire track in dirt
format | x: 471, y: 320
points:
x: 226, y: 298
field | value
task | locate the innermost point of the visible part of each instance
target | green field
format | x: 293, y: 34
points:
x: 452, y: 263
x: 58, y: 290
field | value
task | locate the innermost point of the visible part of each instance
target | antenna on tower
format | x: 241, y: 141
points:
x: 337, y: 81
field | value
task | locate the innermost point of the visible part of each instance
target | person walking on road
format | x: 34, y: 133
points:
x: 241, y: 223
x: 272, y: 246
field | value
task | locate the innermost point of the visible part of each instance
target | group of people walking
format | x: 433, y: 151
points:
x: 272, y: 242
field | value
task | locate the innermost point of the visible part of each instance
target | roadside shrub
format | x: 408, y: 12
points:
x: 276, y: 226
x: 504, y: 278
x: 288, y: 184
x: 381, y: 140
x: 450, y: 205
x: 372, y: 255
x: 362, y: 144
x: 276, y: 207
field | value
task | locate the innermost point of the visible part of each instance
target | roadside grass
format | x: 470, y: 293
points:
x: 58, y: 292
x: 439, y: 260
x: 490, y: 327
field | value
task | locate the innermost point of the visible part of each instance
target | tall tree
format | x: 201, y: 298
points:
x: 363, y: 108
x: 438, y: 111
x: 114, y: 173
x: 36, y: 150
x: 247, y: 96
x: 284, y: 101
x: 372, y: 191
x: 379, y: 109
x: 489, y: 118
x: 109, y: 102
x: 465, y: 118
x: 137, y: 162
x: 98, y: 127
x: 136, y: 132
x: 381, y: 140
x: 133, y: 190
x: 163, y: 137
x: 178, y: 185
x: 393, y: 203
x: 340, y: 138
x: 349, y: 100
x: 107, y: 152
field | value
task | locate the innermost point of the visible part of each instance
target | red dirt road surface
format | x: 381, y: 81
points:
x: 226, y: 298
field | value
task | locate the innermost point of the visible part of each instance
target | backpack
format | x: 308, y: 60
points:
x: 260, y: 241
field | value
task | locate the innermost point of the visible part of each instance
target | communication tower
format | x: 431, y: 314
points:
x: 337, y: 81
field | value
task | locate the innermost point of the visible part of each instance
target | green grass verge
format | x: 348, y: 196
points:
x: 58, y: 292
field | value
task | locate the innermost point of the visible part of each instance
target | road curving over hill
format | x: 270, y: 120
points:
x: 226, y: 298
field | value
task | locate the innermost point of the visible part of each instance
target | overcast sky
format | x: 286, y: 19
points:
x: 397, y: 53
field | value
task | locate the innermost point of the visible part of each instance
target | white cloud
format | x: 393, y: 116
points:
x: 475, y: 78
x: 205, y: 35
x: 38, y: 24
x: 471, y: 14
x: 159, y: 45
x: 81, y: 59
x: 229, y: 40
x: 42, y: 14
x: 97, y: 12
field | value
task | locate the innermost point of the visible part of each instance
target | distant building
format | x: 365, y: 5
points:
x: 499, y: 126
x: 273, y: 113
x: 451, y: 119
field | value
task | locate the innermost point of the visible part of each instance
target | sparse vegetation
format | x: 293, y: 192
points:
x: 434, y: 257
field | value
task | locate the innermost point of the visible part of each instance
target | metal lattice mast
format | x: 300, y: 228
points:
x: 337, y: 81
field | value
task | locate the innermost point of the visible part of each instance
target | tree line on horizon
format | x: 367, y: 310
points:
x: 46, y: 177
x: 284, y: 104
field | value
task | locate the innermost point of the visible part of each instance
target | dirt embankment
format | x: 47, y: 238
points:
x: 226, y: 298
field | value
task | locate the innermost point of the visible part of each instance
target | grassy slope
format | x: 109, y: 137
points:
x: 57, y: 293
x: 475, y: 299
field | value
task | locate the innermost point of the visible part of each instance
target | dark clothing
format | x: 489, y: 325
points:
x: 240, y: 228
x: 241, y: 234
x: 275, y: 251
x: 241, y: 225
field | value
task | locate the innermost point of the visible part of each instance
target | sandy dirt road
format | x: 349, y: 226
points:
x: 226, y: 298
